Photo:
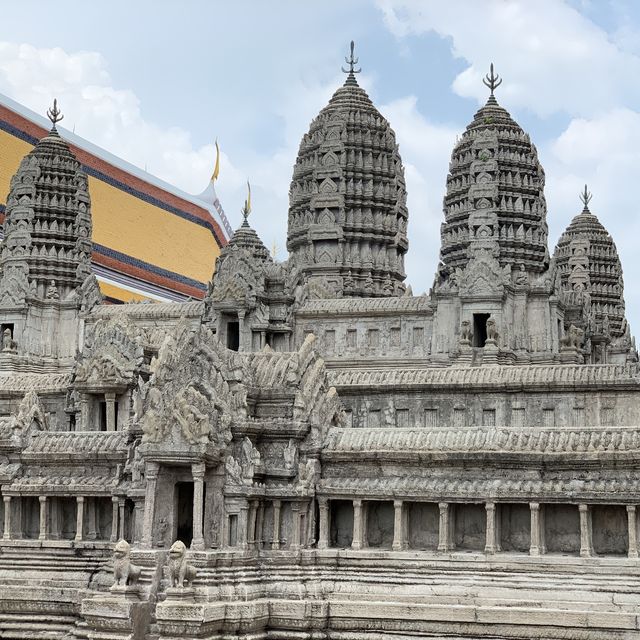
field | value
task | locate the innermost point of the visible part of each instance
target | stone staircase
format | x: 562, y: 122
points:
x: 41, y: 589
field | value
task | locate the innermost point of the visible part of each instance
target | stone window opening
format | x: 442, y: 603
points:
x: 6, y: 325
x: 233, y: 530
x: 514, y: 527
x: 341, y: 524
x: 233, y: 335
x: 379, y: 521
x: 562, y: 529
x: 470, y: 526
x: 423, y: 525
x: 480, y: 329
x: 488, y: 417
x: 352, y: 338
x: 610, y: 530
x: 430, y: 418
x: 103, y: 413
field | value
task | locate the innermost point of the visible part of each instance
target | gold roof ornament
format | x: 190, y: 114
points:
x: 216, y: 169
x: 246, y: 209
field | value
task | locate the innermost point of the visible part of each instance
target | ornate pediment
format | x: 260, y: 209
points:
x: 188, y: 399
x: 112, y: 354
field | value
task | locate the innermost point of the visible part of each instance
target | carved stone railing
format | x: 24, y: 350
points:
x: 539, y: 376
x: 552, y: 440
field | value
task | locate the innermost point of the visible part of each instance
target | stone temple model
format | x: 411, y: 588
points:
x: 312, y: 452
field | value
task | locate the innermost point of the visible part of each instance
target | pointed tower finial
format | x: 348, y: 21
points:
x: 492, y: 80
x: 54, y: 114
x: 352, y: 62
x: 585, y: 198
x: 216, y: 169
x: 246, y: 209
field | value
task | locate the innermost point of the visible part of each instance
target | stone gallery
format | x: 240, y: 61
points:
x: 312, y: 451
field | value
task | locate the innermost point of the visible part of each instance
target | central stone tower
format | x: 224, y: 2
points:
x: 347, y: 230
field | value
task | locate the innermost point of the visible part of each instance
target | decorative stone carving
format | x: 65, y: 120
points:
x: 181, y: 573
x: 124, y: 571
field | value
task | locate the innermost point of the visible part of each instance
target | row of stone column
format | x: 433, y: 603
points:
x: 250, y: 524
x: 445, y: 528
x: 117, y: 518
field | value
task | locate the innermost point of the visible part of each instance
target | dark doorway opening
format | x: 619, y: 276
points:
x: 480, y: 329
x: 233, y: 336
x: 184, y: 512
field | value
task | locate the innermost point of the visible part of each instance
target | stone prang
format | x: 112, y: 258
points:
x: 312, y: 451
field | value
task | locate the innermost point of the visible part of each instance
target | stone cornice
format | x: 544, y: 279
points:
x: 513, y: 378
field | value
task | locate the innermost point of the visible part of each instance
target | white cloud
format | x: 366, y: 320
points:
x: 604, y: 153
x: 425, y: 148
x: 551, y: 57
x: 101, y: 113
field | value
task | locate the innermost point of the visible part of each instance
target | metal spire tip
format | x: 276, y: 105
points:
x: 352, y: 62
x: 54, y: 114
x: 492, y: 80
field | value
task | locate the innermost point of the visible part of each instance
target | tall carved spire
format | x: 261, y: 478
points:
x: 495, y: 187
x: 46, y: 251
x: 347, y: 201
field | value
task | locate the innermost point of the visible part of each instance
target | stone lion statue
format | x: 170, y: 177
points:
x: 180, y: 572
x: 124, y: 571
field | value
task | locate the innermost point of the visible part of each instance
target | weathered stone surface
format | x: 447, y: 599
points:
x: 312, y: 451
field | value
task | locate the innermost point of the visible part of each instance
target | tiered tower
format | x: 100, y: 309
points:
x: 590, y: 275
x: 496, y: 180
x: 347, y: 212
x: 46, y: 253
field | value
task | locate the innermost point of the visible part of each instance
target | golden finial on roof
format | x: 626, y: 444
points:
x: 274, y: 249
x: 216, y: 169
x: 54, y: 114
x: 246, y: 210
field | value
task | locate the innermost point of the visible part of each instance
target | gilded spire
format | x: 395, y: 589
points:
x: 54, y: 114
x: 216, y: 170
x: 492, y: 80
x: 246, y: 209
x: 352, y: 62
x: 585, y: 198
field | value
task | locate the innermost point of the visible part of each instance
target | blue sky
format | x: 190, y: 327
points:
x: 155, y: 82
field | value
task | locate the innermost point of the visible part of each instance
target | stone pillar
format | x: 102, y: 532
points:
x: 260, y: 525
x: 444, y: 532
x: 92, y: 514
x: 110, y: 399
x: 277, y: 505
x: 356, y: 542
x: 295, y: 523
x: 84, y: 414
x: 43, y: 518
x: 114, y: 519
x: 633, y: 531
x: 151, y: 477
x: 7, y: 517
x: 398, y: 522
x: 197, y: 471
x: 253, y: 515
x: 534, y: 537
x: 79, y: 517
x: 242, y: 345
x: 138, y: 517
x: 490, y: 544
x: 323, y: 538
x: 586, y: 549
x: 121, y: 504
x: 243, y: 525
